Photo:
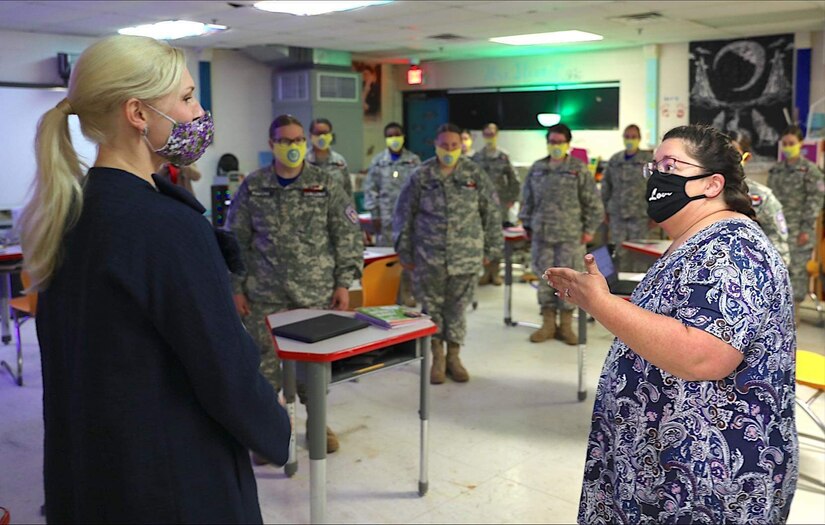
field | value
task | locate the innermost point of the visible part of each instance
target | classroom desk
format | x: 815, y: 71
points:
x: 511, y: 236
x: 11, y: 261
x: 410, y: 342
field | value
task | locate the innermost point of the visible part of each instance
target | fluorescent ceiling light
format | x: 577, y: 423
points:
x: 556, y: 37
x: 315, y: 7
x: 172, y: 29
x: 548, y: 119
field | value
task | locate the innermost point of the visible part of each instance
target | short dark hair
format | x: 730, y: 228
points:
x: 281, y: 121
x: 559, y: 128
x: 633, y: 126
x: 793, y: 130
x: 489, y: 124
x: 447, y: 127
x: 393, y: 125
x: 319, y: 120
x: 716, y: 152
x: 467, y: 131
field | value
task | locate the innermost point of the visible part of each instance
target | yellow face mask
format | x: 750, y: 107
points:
x: 290, y: 155
x: 395, y: 143
x: 447, y: 157
x: 631, y: 144
x: 322, y: 141
x: 745, y: 157
x: 557, y: 151
x: 468, y: 144
x: 792, y: 152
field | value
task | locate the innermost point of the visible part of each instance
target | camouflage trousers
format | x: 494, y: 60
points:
x: 625, y: 230
x: 270, y: 367
x: 800, y: 255
x: 549, y: 254
x: 445, y: 298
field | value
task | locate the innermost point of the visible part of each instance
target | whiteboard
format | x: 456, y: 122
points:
x: 21, y: 109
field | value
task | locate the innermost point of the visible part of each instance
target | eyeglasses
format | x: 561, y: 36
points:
x: 666, y: 166
x: 289, y: 142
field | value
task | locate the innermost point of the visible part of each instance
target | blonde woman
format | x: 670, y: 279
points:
x: 151, y: 388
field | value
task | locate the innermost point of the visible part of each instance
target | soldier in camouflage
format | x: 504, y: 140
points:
x: 299, y: 238
x: 467, y: 143
x: 560, y: 211
x: 388, y: 171
x: 446, y: 224
x: 799, y: 186
x: 624, y: 198
x: 496, y: 164
x: 768, y: 209
x: 324, y: 157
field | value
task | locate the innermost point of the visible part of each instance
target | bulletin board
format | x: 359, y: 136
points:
x: 21, y: 109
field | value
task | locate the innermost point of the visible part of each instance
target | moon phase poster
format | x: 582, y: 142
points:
x: 744, y: 84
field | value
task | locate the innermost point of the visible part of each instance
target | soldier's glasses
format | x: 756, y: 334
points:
x: 289, y: 142
x: 666, y: 166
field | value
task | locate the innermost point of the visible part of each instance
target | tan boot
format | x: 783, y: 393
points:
x: 566, y: 332
x: 438, y: 369
x: 487, y: 277
x: 528, y: 277
x: 454, y: 367
x: 494, y: 276
x: 548, y: 326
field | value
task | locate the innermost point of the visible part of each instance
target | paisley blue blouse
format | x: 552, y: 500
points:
x: 665, y: 450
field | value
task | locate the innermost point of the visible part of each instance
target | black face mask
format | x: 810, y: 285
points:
x: 666, y: 194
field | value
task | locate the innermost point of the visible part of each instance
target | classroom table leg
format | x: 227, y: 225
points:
x: 317, y: 429
x: 424, y: 414
x: 5, y: 296
x: 508, y: 284
x: 582, y: 391
x: 291, y: 466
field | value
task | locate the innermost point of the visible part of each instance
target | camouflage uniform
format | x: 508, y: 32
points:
x: 446, y: 225
x: 298, y: 242
x: 558, y: 204
x: 335, y: 165
x: 800, y: 189
x: 770, y: 215
x: 382, y: 186
x: 496, y: 164
x: 624, y: 191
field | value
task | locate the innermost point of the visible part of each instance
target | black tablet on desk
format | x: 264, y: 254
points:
x: 319, y: 328
x: 607, y: 268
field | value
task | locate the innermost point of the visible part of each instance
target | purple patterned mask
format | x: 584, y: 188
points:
x: 188, y: 140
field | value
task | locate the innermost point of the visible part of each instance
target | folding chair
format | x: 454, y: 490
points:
x: 23, y: 308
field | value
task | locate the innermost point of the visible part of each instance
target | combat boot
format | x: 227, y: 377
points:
x: 548, y: 327
x: 332, y: 440
x: 454, y: 367
x: 438, y: 369
x: 495, y: 278
x: 487, y: 277
x: 565, y: 332
x: 528, y: 277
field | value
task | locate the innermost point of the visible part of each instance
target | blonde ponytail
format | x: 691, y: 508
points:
x: 107, y: 74
x: 56, y: 199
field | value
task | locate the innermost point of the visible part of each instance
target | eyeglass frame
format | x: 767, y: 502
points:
x: 290, y: 142
x: 649, y: 167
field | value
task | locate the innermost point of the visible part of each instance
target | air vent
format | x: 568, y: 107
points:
x: 447, y: 36
x: 333, y: 87
x: 293, y: 87
x: 639, y: 18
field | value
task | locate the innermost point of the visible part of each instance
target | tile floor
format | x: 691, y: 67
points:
x: 507, y: 447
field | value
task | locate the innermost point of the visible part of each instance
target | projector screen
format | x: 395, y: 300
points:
x: 21, y: 109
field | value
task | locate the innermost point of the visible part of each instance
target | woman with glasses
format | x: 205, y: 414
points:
x: 151, y: 388
x: 694, y: 414
x: 300, y: 241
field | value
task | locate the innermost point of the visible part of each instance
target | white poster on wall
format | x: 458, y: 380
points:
x: 21, y: 109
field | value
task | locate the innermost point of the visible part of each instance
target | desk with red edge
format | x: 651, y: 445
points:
x: 511, y: 236
x: 319, y: 358
x: 11, y: 260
